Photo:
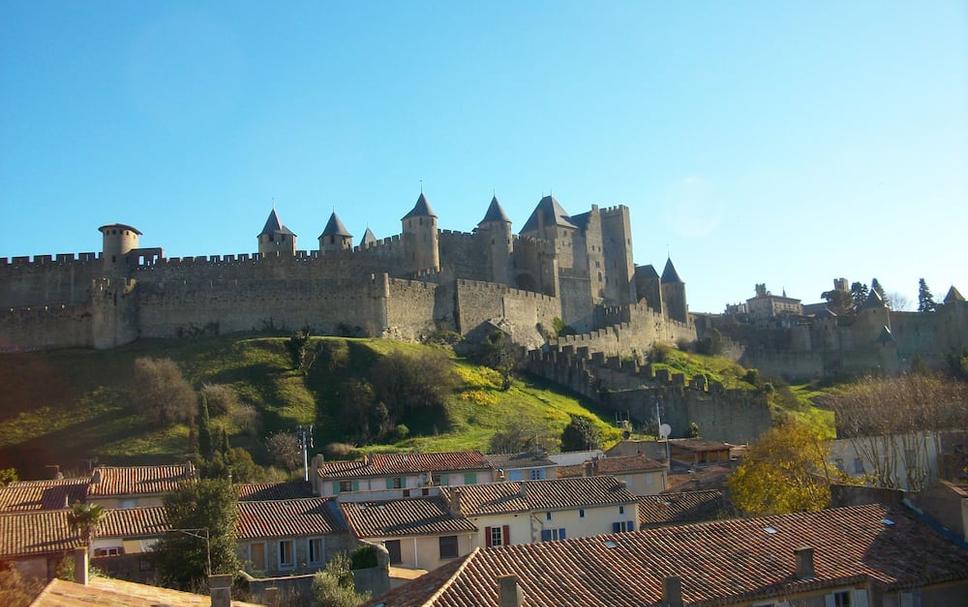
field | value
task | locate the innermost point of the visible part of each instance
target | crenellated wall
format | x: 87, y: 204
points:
x: 46, y: 279
x: 45, y: 327
x: 477, y: 303
x: 628, y: 388
x: 627, y: 329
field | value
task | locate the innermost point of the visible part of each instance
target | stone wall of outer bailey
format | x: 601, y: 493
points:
x: 174, y: 309
x: 45, y: 327
x: 46, y: 279
x: 577, y: 307
x: 630, y: 328
x: 479, y: 302
x: 410, y: 309
x: 464, y: 254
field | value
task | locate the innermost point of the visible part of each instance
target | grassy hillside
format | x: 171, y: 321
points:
x: 64, y: 406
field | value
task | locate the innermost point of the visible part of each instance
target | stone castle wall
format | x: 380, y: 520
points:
x: 45, y: 327
x: 47, y: 280
x: 523, y: 312
x: 628, y: 329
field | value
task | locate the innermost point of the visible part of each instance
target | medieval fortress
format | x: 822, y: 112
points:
x: 576, y: 268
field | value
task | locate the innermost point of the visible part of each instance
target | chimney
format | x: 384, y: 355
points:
x: 589, y: 466
x: 220, y: 588
x: 96, y: 477
x: 805, y: 570
x: 672, y: 591
x: 81, y: 562
x: 456, y: 501
x: 510, y: 591
x: 366, y: 459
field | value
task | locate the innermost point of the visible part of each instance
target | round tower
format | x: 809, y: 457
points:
x: 420, y: 237
x: 495, y: 229
x: 117, y: 239
x: 275, y: 238
x: 335, y: 236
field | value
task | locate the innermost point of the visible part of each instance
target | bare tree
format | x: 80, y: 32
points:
x: 898, y: 301
x: 893, y: 423
x: 284, y: 450
x: 161, y: 389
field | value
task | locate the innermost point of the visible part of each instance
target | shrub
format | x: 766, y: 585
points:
x: 402, y: 431
x: 580, y: 434
x: 17, y: 590
x: 525, y: 434
x: 660, y: 352
x: 443, y: 337
x: 712, y: 344
x: 560, y: 328
x: 334, y: 587
x: 284, y: 449
x: 160, y: 389
x: 693, y: 430
x: 246, y: 418
x: 752, y: 377
x: 221, y: 398
x: 363, y: 557
x: 683, y: 344
x: 405, y: 383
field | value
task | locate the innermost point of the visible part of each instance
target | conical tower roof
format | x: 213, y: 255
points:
x: 874, y: 300
x: 669, y: 273
x: 335, y: 227
x: 421, y: 209
x: 886, y: 337
x: 953, y: 295
x: 274, y: 225
x: 369, y: 238
x: 549, y: 213
x: 494, y: 213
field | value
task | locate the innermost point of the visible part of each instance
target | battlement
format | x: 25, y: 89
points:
x: 47, y: 260
x: 613, y: 210
x: 478, y: 285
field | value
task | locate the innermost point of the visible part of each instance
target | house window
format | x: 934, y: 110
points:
x: 537, y: 474
x: 315, y: 550
x: 425, y: 492
x: 547, y: 516
x: 287, y: 560
x: 395, y: 483
x: 127, y: 504
x: 858, y: 465
x: 840, y: 599
x: 552, y: 535
x: 393, y: 547
x: 257, y: 556
x: 497, y: 538
x: 439, y: 479
x: 621, y: 509
x: 623, y: 526
x: 448, y: 546
x: 581, y: 513
x: 470, y: 478
x: 112, y: 551
x: 345, y: 486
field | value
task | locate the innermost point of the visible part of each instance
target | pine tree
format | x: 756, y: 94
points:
x: 876, y: 286
x: 859, y: 293
x: 206, y: 442
x: 925, y: 298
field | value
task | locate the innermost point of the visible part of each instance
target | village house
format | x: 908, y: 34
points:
x: 27, y: 496
x: 286, y: 537
x: 122, y: 539
x: 526, y: 466
x: 642, y: 476
x: 698, y: 452
x: 398, y: 475
x: 36, y: 542
x: 864, y: 556
x: 539, y: 511
x: 677, y: 508
x: 418, y: 533
x: 135, y: 486
x: 259, y: 492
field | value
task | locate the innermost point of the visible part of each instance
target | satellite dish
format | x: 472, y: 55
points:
x: 626, y: 435
x: 665, y: 430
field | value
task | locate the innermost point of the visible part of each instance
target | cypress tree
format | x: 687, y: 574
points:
x: 206, y: 444
x: 225, y: 446
x: 926, y: 301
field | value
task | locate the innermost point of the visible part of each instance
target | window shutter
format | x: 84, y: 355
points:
x: 335, y: 487
x: 561, y: 533
x: 506, y: 533
x: 630, y: 526
x: 858, y: 598
x: 389, y: 483
x: 546, y: 535
x: 487, y: 537
x: 356, y: 485
x: 616, y: 528
x: 829, y: 601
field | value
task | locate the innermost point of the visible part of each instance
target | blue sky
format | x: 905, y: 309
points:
x: 785, y: 143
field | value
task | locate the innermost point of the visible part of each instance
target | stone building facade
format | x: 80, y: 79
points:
x: 577, y: 268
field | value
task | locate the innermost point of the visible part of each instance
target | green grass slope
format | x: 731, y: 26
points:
x: 64, y: 406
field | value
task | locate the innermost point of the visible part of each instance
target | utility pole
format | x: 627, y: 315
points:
x: 305, y: 436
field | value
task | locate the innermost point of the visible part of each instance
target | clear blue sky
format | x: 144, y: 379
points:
x: 776, y: 142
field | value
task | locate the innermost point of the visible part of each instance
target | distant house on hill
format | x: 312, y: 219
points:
x: 397, y: 475
x: 136, y: 486
x: 642, y: 476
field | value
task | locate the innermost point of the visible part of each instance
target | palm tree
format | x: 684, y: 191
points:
x: 84, y: 518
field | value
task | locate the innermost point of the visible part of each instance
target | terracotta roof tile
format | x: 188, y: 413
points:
x: 133, y: 523
x: 102, y: 591
x: 288, y: 518
x: 680, y: 507
x: 258, y: 492
x: 404, y: 517
x: 137, y: 480
x: 518, y: 460
x: 524, y: 496
x: 42, y: 495
x: 721, y: 562
x: 403, y: 463
x: 38, y: 532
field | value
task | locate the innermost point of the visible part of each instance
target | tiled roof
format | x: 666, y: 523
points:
x: 618, y: 464
x: 404, y: 463
x: 698, y: 444
x: 548, y: 213
x: 274, y: 225
x: 421, y: 209
x: 288, y: 518
x: 403, y: 517
x: 518, y: 460
x: 39, y: 532
x: 133, y: 523
x: 102, y: 591
x: 494, y: 213
x: 42, y: 495
x: 335, y: 227
x: 680, y: 507
x: 258, y: 492
x: 137, y: 480
x: 719, y: 563
x: 554, y: 494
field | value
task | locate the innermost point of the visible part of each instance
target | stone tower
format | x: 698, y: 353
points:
x: 368, y: 240
x: 275, y: 238
x: 495, y: 230
x: 335, y: 236
x: 674, y: 293
x: 617, y: 245
x: 117, y: 240
x: 420, y: 237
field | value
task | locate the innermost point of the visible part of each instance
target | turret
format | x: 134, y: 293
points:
x: 495, y: 230
x: 275, y: 238
x: 420, y: 237
x: 368, y: 240
x: 335, y: 236
x: 674, y: 293
x: 117, y: 240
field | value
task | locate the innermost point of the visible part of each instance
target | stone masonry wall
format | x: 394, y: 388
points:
x: 627, y: 329
x: 46, y: 279
x: 522, y: 311
x: 45, y: 327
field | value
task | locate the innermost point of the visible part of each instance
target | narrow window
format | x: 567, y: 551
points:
x: 581, y: 513
x: 547, y: 516
x: 286, y: 560
x: 316, y: 550
x: 393, y: 547
x: 448, y: 546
